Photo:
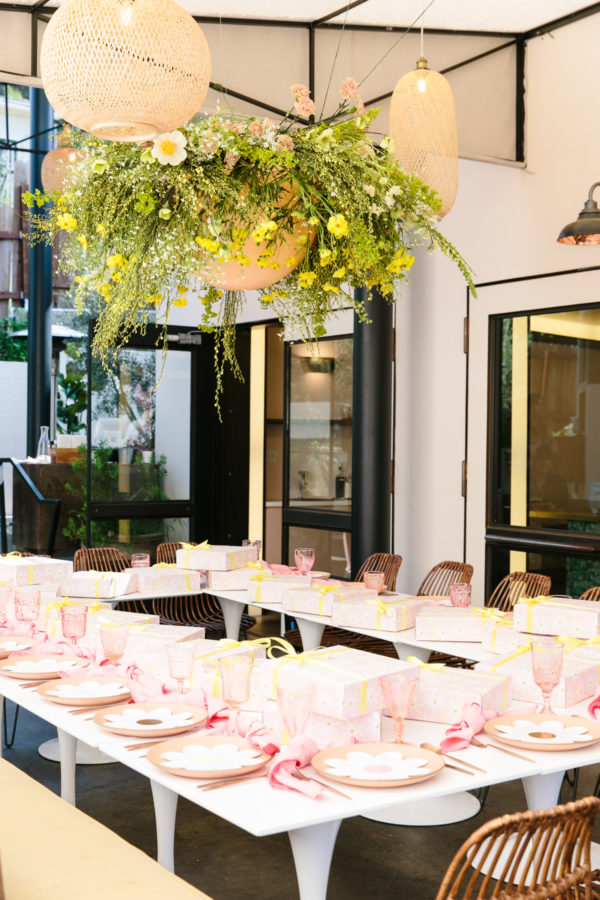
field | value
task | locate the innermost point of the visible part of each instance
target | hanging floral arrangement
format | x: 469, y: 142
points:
x: 303, y: 213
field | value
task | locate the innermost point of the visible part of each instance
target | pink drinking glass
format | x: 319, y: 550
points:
x: 236, y: 674
x: 547, y: 662
x: 304, y: 558
x: 181, y: 662
x: 140, y: 560
x: 460, y: 594
x: 295, y: 705
x: 27, y: 605
x: 73, y: 620
x: 114, y: 640
x: 374, y: 581
x: 397, y: 694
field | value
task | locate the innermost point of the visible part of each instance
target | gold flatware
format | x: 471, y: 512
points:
x: 297, y: 773
x: 91, y: 710
x: 228, y: 781
x: 149, y: 742
x: 462, y: 762
x: 477, y: 743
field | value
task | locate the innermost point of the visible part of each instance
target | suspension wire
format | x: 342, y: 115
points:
x: 395, y: 44
x: 337, y: 51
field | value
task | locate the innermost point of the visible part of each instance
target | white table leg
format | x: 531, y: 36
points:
x: 311, y: 633
x: 165, y: 812
x: 406, y: 650
x: 68, y: 749
x: 441, y: 811
x: 86, y: 755
x: 542, y: 791
x: 313, y: 848
x: 232, y: 613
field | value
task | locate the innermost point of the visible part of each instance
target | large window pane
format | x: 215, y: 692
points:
x: 570, y: 574
x: 138, y: 535
x: 546, y: 436
x: 320, y: 427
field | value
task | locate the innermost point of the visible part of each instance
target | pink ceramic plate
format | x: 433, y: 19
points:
x: 32, y: 668
x: 544, y: 731
x: 89, y: 690
x: 377, y: 765
x: 160, y: 719
x: 207, y: 756
x: 14, y: 644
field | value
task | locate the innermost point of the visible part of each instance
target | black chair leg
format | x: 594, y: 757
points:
x: 573, y: 783
x: 8, y: 742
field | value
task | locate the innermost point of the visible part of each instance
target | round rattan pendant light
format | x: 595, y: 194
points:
x: 423, y: 127
x: 56, y: 163
x: 125, y: 70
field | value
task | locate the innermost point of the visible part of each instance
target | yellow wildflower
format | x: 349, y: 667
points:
x: 338, y: 225
x: 180, y: 301
x: 116, y: 276
x: 182, y: 288
x: 242, y: 259
x: 114, y: 261
x: 331, y: 288
x: 263, y: 261
x: 325, y: 257
x: 339, y: 273
x: 105, y: 290
x: 66, y: 222
x: 240, y: 235
x: 267, y: 298
x: 155, y: 298
x: 307, y: 278
x: 290, y: 261
x: 264, y: 232
x: 211, y: 246
x: 101, y: 230
x: 400, y: 263
x: 313, y: 220
x: 83, y: 241
x: 275, y: 265
x: 301, y: 240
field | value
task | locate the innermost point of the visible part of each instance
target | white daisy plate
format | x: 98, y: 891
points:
x: 14, y: 644
x: 207, y: 756
x: 377, y: 765
x: 150, y: 719
x: 539, y: 731
x: 91, y: 690
x: 39, y: 667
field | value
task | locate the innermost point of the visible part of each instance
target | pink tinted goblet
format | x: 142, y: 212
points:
x: 114, y: 640
x: 304, y: 558
x: 181, y: 662
x: 236, y: 673
x: 374, y: 581
x: 295, y: 705
x: 547, y: 662
x: 460, y: 594
x: 140, y: 560
x: 27, y: 605
x: 73, y: 620
x: 397, y: 694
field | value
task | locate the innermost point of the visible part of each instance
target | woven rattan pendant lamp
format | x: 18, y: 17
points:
x: 125, y: 70
x: 56, y: 163
x: 423, y: 127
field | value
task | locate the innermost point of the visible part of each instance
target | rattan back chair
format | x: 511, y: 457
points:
x: 527, y: 855
x: 199, y: 609
x: 517, y: 585
x: 109, y: 559
x: 438, y: 580
x: 378, y: 562
x: 592, y: 593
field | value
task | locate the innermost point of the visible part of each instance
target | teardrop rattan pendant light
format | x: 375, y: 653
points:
x: 423, y: 127
x: 126, y: 70
x: 57, y: 163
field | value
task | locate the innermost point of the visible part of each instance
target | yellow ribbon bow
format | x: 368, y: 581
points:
x: 164, y: 566
x: 433, y: 667
x: 531, y: 602
x: 191, y: 546
x: 521, y: 651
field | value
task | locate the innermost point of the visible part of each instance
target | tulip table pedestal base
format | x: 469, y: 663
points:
x: 441, y: 811
x: 86, y: 756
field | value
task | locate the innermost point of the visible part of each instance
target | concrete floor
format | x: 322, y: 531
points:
x: 225, y: 862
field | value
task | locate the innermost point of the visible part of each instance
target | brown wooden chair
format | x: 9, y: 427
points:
x: 438, y: 580
x: 517, y: 585
x: 200, y: 609
x: 546, y: 854
x: 378, y: 562
x: 592, y: 593
x: 109, y: 559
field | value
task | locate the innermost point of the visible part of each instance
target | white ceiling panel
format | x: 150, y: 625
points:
x: 477, y: 15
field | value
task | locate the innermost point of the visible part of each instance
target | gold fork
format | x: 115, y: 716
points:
x: 297, y: 773
x: 477, y: 743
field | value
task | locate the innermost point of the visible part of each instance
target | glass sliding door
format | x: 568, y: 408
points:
x: 317, y: 503
x: 544, y: 462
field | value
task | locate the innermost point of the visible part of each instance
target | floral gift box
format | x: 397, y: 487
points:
x: 22, y: 570
x: 325, y: 730
x: 100, y: 585
x: 167, y: 578
x: 346, y: 680
x: 319, y: 599
x: 442, y: 692
x: 553, y: 615
x: 206, y: 557
x: 499, y: 635
x: 266, y: 588
x: 235, y: 579
x: 449, y: 623
x: 579, y: 678
x: 388, y: 612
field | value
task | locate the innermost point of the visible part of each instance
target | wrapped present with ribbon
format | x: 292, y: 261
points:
x: 367, y: 609
x: 264, y: 587
x: 442, y: 692
x: 100, y: 585
x: 581, y: 648
x: 557, y: 615
x: 143, y: 635
x: 167, y: 578
x: 579, y: 679
x: 206, y: 557
x: 236, y: 579
x: 319, y: 598
x: 346, y: 680
x: 449, y: 623
x: 498, y: 634
x: 23, y: 570
x: 325, y: 730
x: 50, y: 614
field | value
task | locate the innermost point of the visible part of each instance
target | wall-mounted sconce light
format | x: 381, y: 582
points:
x: 586, y: 228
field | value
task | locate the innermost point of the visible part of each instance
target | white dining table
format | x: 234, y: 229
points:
x: 312, y: 825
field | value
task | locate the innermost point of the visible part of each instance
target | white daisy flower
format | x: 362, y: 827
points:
x: 27, y: 666
x: 89, y: 689
x: 390, y: 765
x: 142, y: 719
x: 550, y: 731
x: 219, y: 758
x: 169, y: 148
x: 14, y: 645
